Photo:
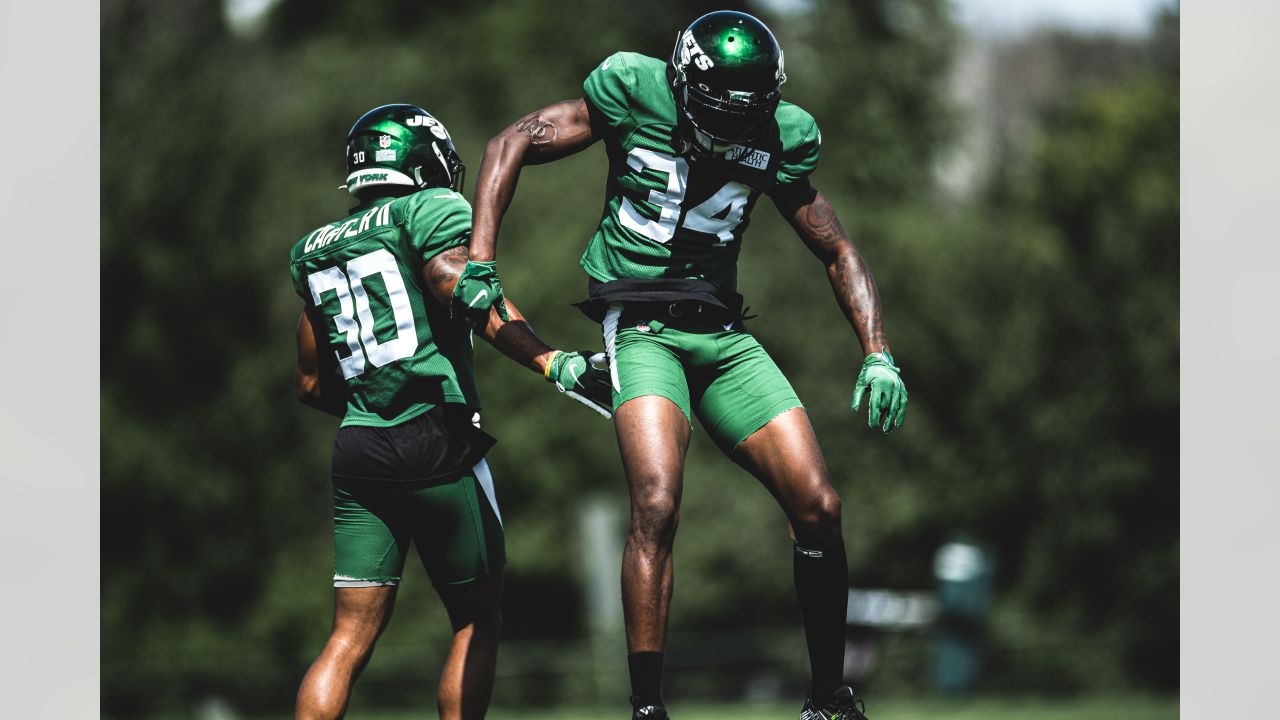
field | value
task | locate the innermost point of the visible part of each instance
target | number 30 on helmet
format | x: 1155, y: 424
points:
x: 401, y: 145
x: 725, y: 72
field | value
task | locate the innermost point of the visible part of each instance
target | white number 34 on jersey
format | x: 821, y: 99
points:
x: 718, y: 215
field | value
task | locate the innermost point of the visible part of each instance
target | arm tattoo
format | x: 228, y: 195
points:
x: 822, y: 225
x: 540, y: 131
x: 515, y: 338
x: 551, y: 133
x: 851, y: 280
x: 443, y: 270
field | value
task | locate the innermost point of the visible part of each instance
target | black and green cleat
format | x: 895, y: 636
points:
x: 647, y: 712
x: 843, y: 706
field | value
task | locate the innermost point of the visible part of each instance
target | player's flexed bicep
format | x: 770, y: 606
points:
x: 555, y: 131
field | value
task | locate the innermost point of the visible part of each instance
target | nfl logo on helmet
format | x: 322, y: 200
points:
x: 384, y: 141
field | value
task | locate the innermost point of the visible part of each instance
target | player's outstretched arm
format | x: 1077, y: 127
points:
x: 541, y: 136
x: 573, y: 373
x: 815, y: 221
x: 315, y: 377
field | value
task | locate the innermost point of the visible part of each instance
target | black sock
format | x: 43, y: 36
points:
x: 646, y: 677
x: 822, y: 587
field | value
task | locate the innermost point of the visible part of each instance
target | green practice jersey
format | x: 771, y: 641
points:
x: 668, y: 216
x: 398, y: 350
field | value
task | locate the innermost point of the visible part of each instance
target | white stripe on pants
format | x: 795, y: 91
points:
x: 610, y: 334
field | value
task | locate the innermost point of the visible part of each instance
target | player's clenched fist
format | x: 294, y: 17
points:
x: 888, y: 394
x: 478, y: 289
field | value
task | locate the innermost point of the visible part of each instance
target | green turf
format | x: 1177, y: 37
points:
x: 1037, y: 709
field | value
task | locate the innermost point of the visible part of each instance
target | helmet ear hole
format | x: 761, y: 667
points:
x: 444, y: 164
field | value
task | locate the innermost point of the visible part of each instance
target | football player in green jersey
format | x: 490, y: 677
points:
x: 378, y: 348
x: 692, y: 144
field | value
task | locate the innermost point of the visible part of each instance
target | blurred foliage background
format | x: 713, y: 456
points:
x: 1017, y: 200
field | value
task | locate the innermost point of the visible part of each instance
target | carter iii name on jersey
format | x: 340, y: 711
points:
x: 751, y: 157
x: 371, y: 218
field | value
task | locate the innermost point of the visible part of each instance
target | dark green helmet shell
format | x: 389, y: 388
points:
x: 401, y: 145
x: 726, y: 70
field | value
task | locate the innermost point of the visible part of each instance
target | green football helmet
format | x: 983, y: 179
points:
x: 401, y: 145
x: 725, y: 74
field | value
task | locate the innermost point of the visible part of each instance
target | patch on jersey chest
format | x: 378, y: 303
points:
x: 751, y: 157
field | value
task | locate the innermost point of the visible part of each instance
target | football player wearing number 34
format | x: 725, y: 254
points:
x: 692, y: 144
x: 378, y: 348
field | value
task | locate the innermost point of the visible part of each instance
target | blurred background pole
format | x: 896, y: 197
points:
x: 964, y: 572
x: 601, y: 559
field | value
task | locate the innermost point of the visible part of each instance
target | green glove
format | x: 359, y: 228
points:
x: 888, y: 393
x: 583, y: 376
x: 477, y: 290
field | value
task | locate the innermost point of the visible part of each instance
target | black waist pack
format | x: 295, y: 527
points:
x: 674, y: 297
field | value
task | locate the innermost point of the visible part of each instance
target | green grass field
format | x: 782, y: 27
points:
x: 1031, y: 709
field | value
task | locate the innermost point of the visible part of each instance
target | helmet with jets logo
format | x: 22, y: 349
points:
x: 725, y: 72
x: 401, y: 145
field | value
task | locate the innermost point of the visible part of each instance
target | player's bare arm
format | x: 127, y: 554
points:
x: 555, y: 131
x: 548, y: 134
x: 573, y: 372
x: 514, y: 337
x: 815, y: 221
x: 315, y: 378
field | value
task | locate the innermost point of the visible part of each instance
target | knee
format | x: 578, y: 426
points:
x: 489, y: 622
x: 655, y: 514
x: 351, y: 647
x: 819, y: 515
x: 486, y: 628
x: 483, y: 614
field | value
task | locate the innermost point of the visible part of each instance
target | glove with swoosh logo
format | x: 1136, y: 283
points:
x: 584, y: 376
x: 477, y: 290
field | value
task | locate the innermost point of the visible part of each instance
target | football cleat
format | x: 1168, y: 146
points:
x: 401, y: 145
x: 725, y: 73
x: 843, y: 706
x: 647, y: 712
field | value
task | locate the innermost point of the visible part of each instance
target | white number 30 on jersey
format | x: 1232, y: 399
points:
x: 355, y: 316
x: 729, y: 203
